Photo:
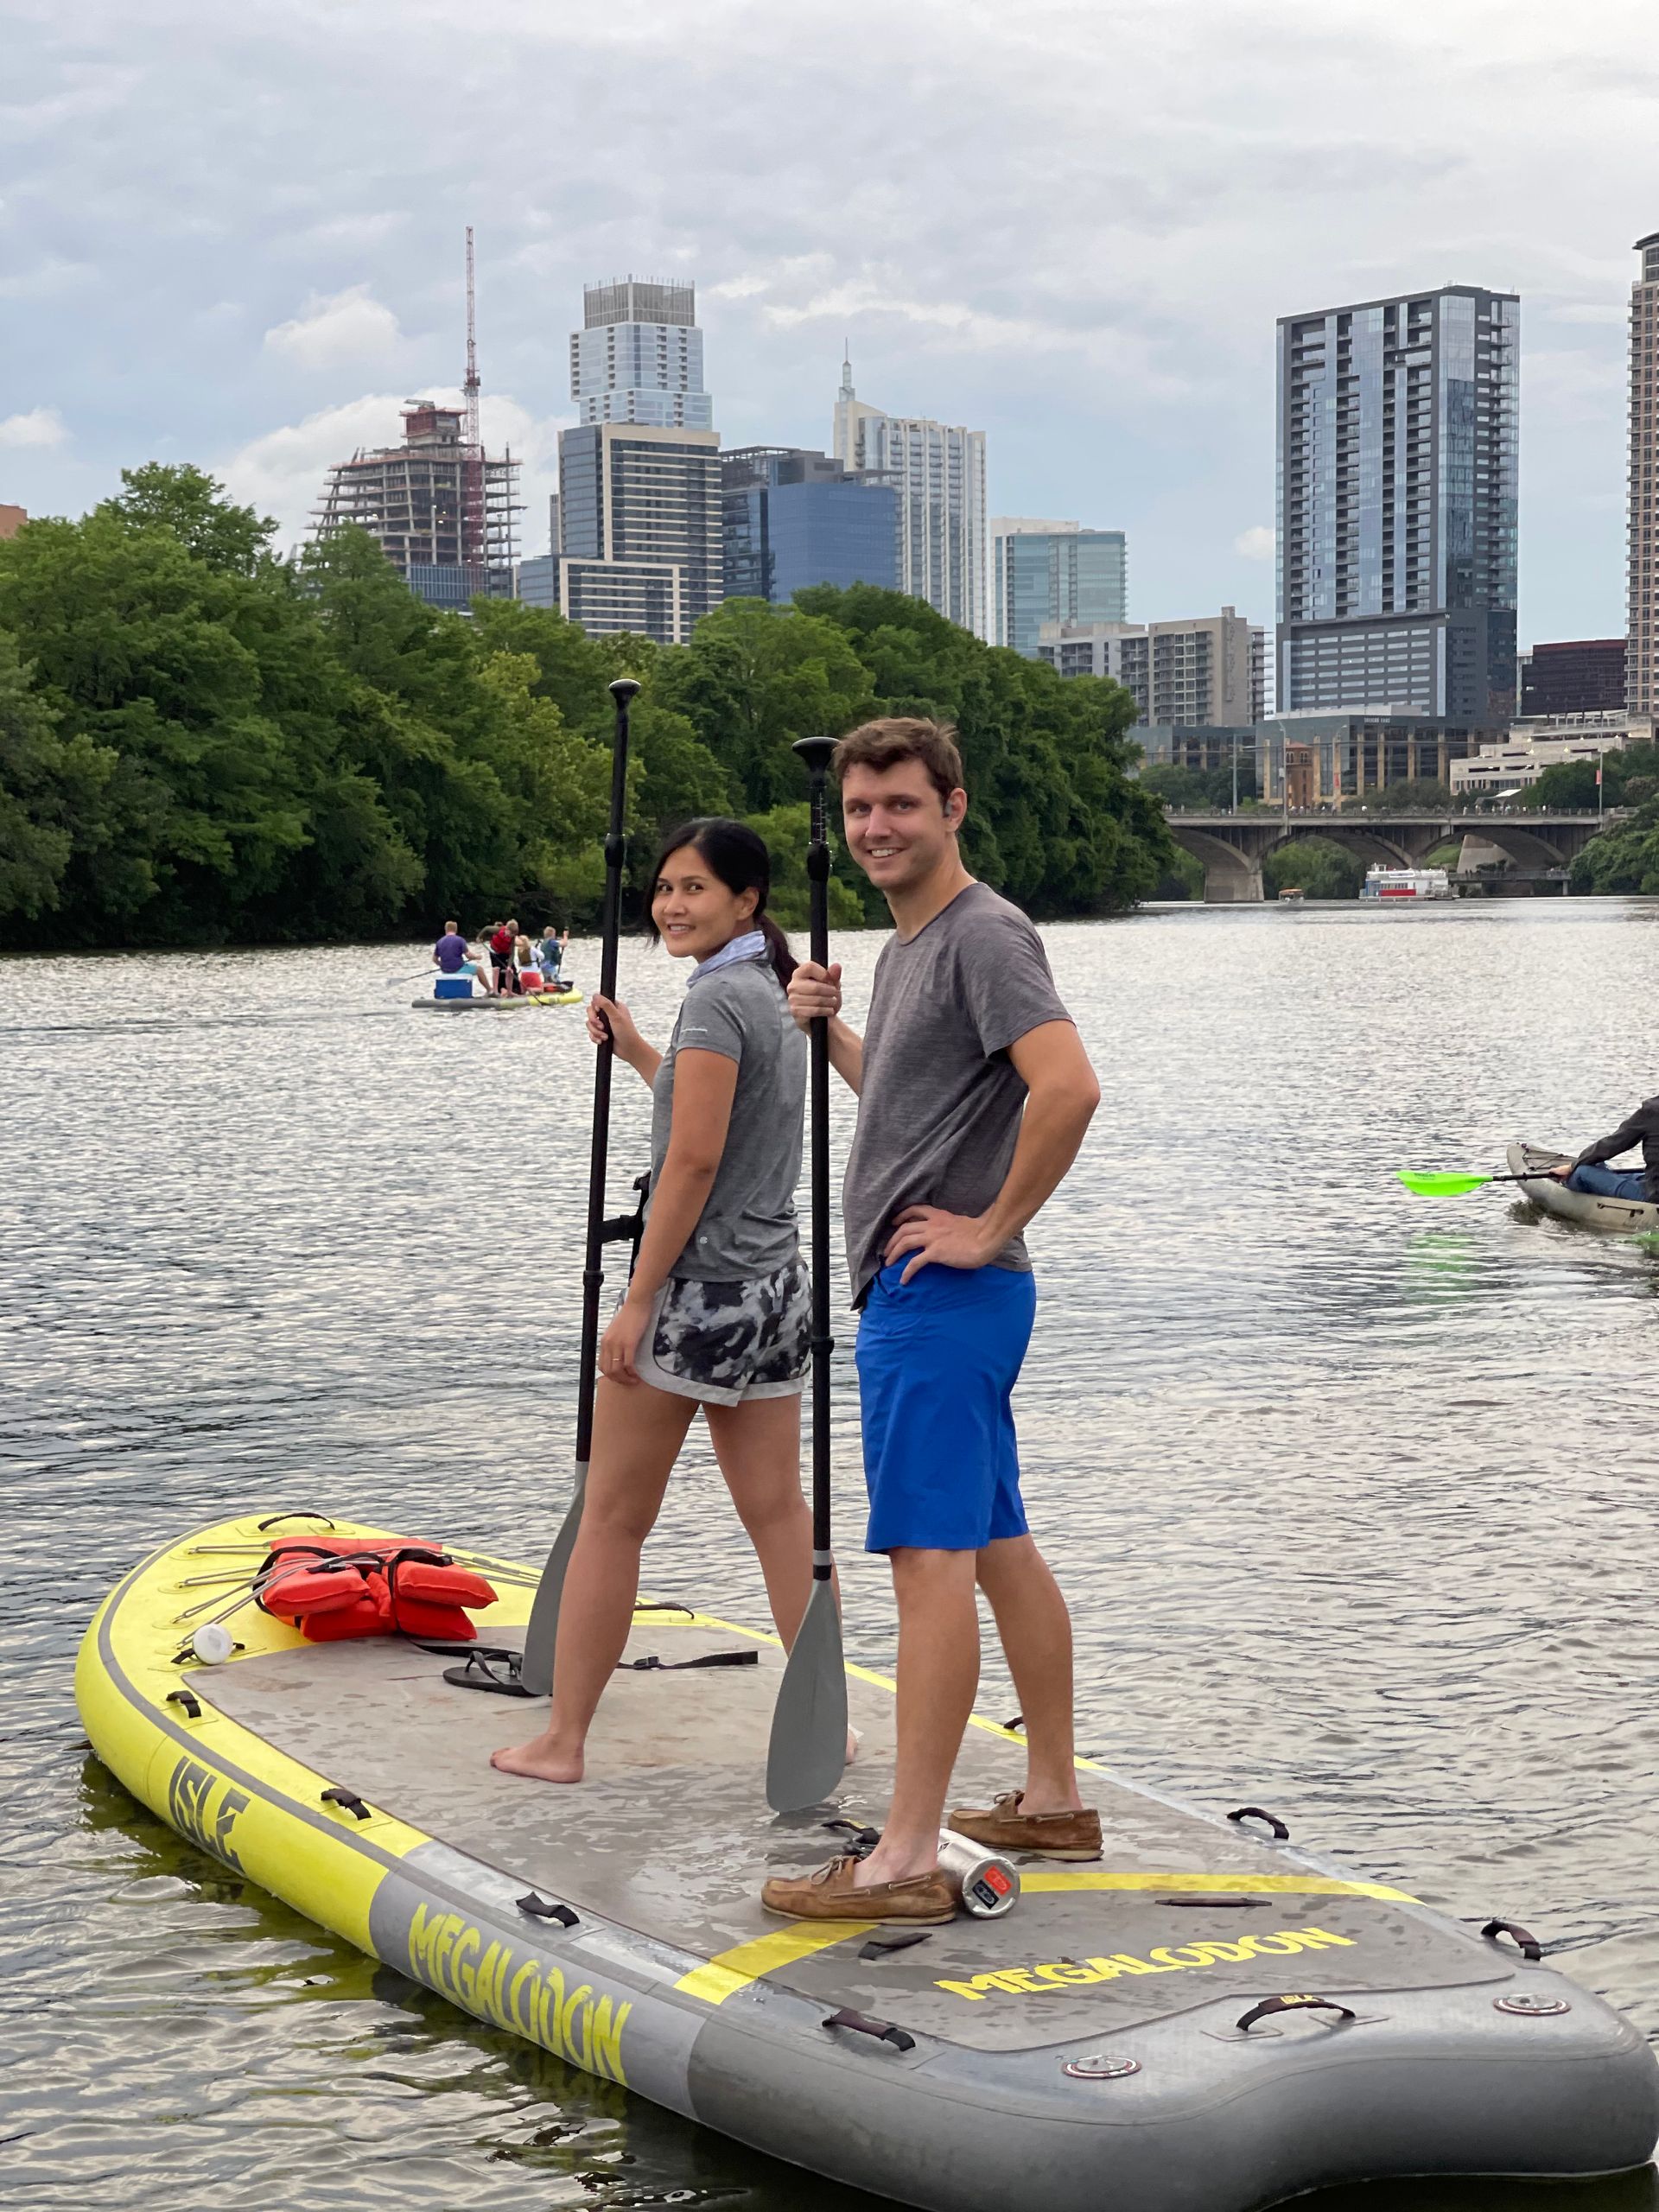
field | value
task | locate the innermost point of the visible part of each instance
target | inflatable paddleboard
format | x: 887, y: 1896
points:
x: 498, y: 1003
x: 1209, y: 2018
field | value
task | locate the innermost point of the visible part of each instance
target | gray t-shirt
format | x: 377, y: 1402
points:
x: 748, y: 1227
x: 940, y: 1101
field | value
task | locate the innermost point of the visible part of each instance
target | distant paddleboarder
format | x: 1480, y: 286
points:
x: 975, y: 1093
x: 1587, y: 1172
x: 449, y: 953
x: 717, y: 1313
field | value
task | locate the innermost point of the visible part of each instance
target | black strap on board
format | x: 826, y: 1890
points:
x: 1302, y: 2002
x: 1281, y: 1833
x: 1530, y: 1947
x: 861, y: 2024
x: 544, y: 1908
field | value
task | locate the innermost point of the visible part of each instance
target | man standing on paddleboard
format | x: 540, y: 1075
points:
x: 974, y: 1093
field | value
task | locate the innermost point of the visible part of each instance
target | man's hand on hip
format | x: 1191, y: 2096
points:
x: 940, y: 1239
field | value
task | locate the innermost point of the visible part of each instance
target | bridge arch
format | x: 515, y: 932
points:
x: 1368, y: 843
x: 1232, y: 870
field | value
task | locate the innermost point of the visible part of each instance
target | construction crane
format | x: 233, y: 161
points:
x: 472, y: 464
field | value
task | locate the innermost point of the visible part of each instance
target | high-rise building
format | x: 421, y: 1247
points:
x: 938, y: 471
x: 639, y: 528
x: 638, y: 357
x: 1053, y: 572
x: 1397, y: 481
x: 1642, y: 671
x: 791, y: 516
x: 1202, y: 671
x: 1580, y: 676
x: 445, y: 514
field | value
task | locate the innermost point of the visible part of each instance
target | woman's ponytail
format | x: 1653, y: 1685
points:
x: 784, y: 963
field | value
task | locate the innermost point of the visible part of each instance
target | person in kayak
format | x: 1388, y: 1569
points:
x: 973, y: 1094
x: 717, y: 1313
x: 1587, y: 1172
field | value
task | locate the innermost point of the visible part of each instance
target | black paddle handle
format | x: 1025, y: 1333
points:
x: 815, y: 752
x: 623, y: 692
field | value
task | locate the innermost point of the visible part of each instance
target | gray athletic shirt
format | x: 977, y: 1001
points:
x: 747, y: 1226
x: 940, y: 1101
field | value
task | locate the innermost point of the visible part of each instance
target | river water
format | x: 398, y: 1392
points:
x: 1352, y: 1492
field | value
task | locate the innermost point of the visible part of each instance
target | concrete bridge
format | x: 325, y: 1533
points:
x: 1232, y: 847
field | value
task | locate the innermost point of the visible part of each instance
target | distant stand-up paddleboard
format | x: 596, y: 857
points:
x: 1210, y: 2017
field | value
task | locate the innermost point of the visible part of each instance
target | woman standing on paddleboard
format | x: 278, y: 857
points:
x: 717, y: 1313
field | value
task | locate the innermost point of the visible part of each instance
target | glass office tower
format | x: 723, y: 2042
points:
x: 1397, y: 441
x: 1054, y: 572
x: 791, y: 517
x: 638, y: 357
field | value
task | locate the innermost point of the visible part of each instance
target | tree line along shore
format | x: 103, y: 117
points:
x: 203, y: 743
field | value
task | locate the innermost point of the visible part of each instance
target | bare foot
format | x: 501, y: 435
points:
x: 853, y: 1739
x: 541, y: 1759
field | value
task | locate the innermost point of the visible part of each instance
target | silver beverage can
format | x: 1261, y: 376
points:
x: 988, y: 1884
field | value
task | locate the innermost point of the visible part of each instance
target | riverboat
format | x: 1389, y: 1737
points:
x: 1406, y: 883
x: 1208, y: 2015
x: 1591, y: 1209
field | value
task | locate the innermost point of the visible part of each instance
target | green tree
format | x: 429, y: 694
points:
x: 1622, y: 859
x: 1570, y: 785
x: 45, y: 784
x: 1318, y: 867
x: 1417, y: 795
x: 756, y: 676
x: 1197, y: 788
x: 193, y: 507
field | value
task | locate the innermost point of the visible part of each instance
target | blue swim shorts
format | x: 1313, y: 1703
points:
x: 938, y: 1358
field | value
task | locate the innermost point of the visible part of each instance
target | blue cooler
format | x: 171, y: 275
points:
x: 452, y: 987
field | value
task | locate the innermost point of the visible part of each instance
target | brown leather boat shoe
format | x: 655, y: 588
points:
x: 1003, y: 1827
x: 924, y: 1901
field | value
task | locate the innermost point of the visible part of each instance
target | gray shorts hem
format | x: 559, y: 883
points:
x: 711, y: 1394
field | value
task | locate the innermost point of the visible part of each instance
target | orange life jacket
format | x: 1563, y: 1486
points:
x: 333, y: 1588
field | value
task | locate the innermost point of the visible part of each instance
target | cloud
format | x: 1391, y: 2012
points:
x: 41, y: 426
x: 281, y: 472
x: 347, y: 328
x: 1255, y: 543
x: 1096, y: 286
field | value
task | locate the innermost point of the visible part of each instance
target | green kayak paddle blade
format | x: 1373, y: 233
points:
x: 1439, y: 1187
x: 807, y: 1752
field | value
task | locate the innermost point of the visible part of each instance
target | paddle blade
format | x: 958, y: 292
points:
x: 536, y: 1671
x: 1439, y: 1187
x: 808, y: 1753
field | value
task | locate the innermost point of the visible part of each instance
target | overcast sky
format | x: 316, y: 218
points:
x: 233, y: 235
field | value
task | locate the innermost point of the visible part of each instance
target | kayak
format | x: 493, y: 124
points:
x: 1209, y: 2016
x: 567, y: 995
x: 1588, y: 1207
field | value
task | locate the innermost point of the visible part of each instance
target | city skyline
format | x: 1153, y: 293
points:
x: 262, y: 286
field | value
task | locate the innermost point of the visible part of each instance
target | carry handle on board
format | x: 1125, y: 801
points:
x: 1301, y: 2003
x: 861, y: 2023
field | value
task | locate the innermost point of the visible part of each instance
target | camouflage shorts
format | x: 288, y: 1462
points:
x: 725, y: 1342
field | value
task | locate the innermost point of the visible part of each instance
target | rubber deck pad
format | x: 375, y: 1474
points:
x: 671, y: 1835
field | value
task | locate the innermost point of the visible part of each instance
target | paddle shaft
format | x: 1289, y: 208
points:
x: 818, y: 870
x: 592, y: 1269
x: 807, y: 1750
x: 541, y: 1638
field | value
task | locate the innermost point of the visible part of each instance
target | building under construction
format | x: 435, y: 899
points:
x: 444, y: 514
